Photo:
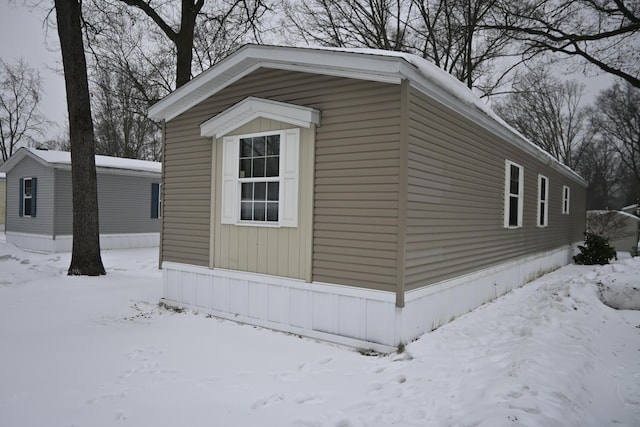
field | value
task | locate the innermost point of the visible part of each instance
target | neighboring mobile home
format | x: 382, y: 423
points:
x: 363, y: 197
x: 39, y: 201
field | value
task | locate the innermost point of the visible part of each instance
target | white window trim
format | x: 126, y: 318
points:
x: 507, y: 194
x: 160, y: 200
x: 288, y: 179
x: 543, y: 204
x: 566, y: 200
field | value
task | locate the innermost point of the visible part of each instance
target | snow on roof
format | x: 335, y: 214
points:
x: 604, y: 212
x: 64, y: 158
x: 3, y: 175
x: 368, y: 64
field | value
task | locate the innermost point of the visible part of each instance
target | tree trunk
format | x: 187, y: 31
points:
x: 85, y: 256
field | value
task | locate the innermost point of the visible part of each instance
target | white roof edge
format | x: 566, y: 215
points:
x: 251, y: 108
x: 313, y: 60
x: 390, y: 67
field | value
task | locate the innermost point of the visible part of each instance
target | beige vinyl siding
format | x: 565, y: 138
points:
x: 456, y: 198
x: 283, y: 251
x: 356, y: 181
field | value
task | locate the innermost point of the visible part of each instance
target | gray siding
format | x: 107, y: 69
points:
x: 356, y: 174
x: 3, y: 200
x: 124, y: 203
x: 43, y: 221
x: 456, y: 198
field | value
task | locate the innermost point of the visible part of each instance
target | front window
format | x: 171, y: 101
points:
x: 259, y: 178
x: 27, y: 197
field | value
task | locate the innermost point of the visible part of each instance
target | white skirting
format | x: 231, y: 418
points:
x: 49, y: 244
x: 346, y: 315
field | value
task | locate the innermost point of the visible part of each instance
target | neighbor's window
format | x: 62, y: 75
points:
x: 259, y: 177
x: 565, y: 200
x: 156, y: 200
x: 543, y: 201
x: 27, y: 205
x: 513, y: 198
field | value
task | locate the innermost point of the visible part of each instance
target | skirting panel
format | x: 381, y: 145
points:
x: 346, y: 315
x: 48, y: 244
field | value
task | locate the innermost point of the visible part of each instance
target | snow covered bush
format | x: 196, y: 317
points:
x: 596, y: 250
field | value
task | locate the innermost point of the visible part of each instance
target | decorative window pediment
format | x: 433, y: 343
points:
x: 252, y: 108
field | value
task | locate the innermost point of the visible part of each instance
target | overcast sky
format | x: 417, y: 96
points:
x: 22, y: 34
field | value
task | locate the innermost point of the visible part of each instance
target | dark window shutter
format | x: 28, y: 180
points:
x: 155, y: 198
x: 34, y: 187
x: 21, y: 205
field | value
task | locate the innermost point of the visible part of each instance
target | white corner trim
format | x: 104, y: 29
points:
x: 252, y: 108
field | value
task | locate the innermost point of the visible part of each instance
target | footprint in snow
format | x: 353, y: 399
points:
x: 269, y: 401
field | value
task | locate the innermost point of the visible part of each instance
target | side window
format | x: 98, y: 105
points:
x: 27, y: 206
x: 543, y: 201
x: 565, y: 199
x: 260, y: 179
x: 513, y: 195
x: 156, y: 200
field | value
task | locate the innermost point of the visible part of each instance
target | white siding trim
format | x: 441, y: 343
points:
x: 63, y: 243
x: 252, y: 108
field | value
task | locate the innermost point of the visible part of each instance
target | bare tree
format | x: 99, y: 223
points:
x: 85, y: 255
x: 452, y: 34
x: 612, y: 225
x: 617, y: 119
x: 180, y: 27
x: 20, y: 95
x: 603, y: 33
x: 600, y: 165
x: 122, y: 128
x: 377, y: 24
x: 547, y: 111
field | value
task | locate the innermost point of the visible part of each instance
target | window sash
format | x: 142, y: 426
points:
x: 543, y: 201
x: 513, y: 203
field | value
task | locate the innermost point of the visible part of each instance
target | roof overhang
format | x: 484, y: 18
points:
x: 252, y: 108
x: 364, y: 64
x: 249, y: 58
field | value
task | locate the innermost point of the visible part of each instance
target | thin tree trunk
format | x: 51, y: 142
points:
x: 85, y: 256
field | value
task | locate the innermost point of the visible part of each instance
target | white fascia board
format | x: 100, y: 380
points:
x: 481, y: 118
x: 252, y: 108
x: 250, y: 58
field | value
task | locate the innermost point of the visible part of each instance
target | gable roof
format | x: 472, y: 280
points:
x: 62, y: 160
x: 364, y: 64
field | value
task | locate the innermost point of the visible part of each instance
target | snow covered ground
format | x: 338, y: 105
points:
x: 81, y: 351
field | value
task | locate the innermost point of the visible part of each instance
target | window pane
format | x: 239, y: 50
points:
x: 245, y: 211
x: 273, y: 145
x: 260, y: 191
x: 245, y: 147
x: 541, y: 219
x: 258, y: 168
x: 247, y: 192
x: 272, y: 211
x: 543, y: 189
x: 514, y: 180
x: 259, y: 211
x: 273, y: 189
x: 513, y: 211
x: 258, y: 146
x: 245, y: 168
x: 27, y: 187
x: 27, y: 207
x: 273, y: 166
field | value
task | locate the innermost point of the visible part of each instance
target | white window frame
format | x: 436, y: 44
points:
x: 160, y: 200
x: 25, y: 197
x: 542, y: 214
x: 566, y: 200
x: 508, y: 195
x: 288, y: 179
